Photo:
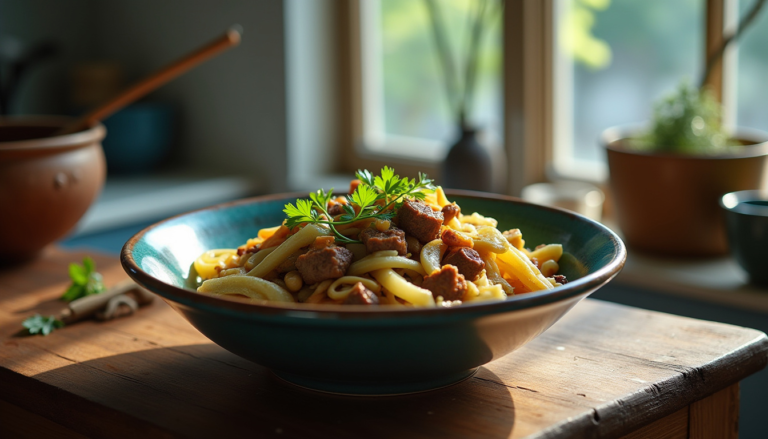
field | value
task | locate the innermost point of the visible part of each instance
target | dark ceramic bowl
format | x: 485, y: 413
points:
x: 369, y: 350
x: 746, y: 217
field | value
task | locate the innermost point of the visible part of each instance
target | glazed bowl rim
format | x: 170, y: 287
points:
x: 94, y: 134
x: 736, y: 202
x: 609, y: 138
x: 193, y: 299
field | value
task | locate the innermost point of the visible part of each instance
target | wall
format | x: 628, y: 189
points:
x: 233, y: 108
x: 70, y: 24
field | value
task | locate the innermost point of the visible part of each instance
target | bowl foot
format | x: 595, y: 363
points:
x: 374, y: 388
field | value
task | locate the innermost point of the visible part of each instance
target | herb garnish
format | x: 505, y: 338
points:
x: 375, y: 197
x: 85, y: 280
x: 38, y: 324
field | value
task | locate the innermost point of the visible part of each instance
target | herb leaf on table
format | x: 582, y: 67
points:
x: 38, y: 324
x: 85, y: 280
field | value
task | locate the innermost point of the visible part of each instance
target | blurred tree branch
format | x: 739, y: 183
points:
x: 744, y: 23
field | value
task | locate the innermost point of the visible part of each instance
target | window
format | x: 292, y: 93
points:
x: 405, y: 107
x: 613, y: 59
x: 752, y: 93
x: 572, y: 68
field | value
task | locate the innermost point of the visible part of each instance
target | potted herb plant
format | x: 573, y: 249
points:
x: 666, y: 178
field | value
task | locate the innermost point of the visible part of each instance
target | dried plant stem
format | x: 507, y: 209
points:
x: 744, y: 23
x: 444, y: 53
x: 460, y: 99
x: 471, y: 61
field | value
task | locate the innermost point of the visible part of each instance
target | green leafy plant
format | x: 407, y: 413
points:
x: 375, y: 197
x: 38, y: 324
x: 85, y: 280
x: 689, y: 121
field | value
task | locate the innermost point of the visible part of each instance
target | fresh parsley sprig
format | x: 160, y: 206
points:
x: 38, y: 324
x: 85, y: 280
x: 375, y: 197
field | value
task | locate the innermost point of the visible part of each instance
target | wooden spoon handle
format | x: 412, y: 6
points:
x: 230, y: 39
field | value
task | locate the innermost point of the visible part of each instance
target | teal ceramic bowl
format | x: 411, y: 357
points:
x: 369, y: 350
x: 746, y: 219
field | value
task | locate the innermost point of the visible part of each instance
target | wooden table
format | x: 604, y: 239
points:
x: 603, y: 371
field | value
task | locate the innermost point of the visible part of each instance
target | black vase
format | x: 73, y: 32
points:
x: 468, y: 164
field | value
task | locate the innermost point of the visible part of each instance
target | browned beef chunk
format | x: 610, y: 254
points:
x: 360, y: 295
x: 391, y: 239
x: 323, y: 263
x: 560, y: 278
x: 467, y: 260
x: 446, y: 282
x: 419, y: 220
x: 450, y: 211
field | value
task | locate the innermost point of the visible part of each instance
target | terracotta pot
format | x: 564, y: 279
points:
x: 46, y: 183
x: 668, y: 204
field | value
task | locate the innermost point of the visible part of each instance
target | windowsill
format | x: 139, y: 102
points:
x: 719, y: 280
x: 415, y: 150
x: 715, y: 280
x: 127, y: 200
x: 404, y: 147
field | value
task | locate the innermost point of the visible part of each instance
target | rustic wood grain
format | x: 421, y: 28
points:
x: 603, y: 371
x: 716, y: 417
x: 674, y: 426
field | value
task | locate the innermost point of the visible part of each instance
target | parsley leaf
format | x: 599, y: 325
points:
x: 38, y: 324
x: 321, y: 198
x: 85, y: 280
x: 302, y: 212
x: 364, y: 197
x: 365, y: 176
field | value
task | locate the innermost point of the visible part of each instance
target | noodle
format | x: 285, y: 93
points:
x: 366, y: 265
x: 253, y: 287
x: 334, y: 292
x: 403, y: 289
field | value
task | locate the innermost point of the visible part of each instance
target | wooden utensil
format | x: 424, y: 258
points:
x: 230, y: 39
x: 88, y: 306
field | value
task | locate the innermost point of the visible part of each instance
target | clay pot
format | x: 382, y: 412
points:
x: 46, y: 183
x: 668, y: 204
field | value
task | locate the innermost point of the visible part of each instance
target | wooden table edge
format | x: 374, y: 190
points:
x: 752, y: 357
